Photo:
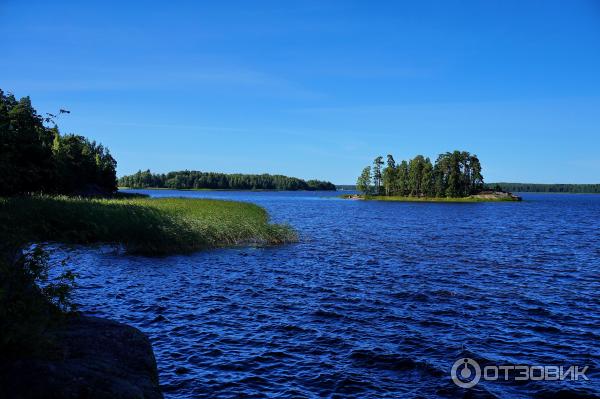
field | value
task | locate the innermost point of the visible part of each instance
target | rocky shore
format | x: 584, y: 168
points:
x: 91, y: 358
x: 497, y: 195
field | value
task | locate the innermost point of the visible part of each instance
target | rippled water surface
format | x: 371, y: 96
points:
x: 377, y: 299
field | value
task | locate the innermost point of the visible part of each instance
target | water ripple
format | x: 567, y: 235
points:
x: 376, y: 300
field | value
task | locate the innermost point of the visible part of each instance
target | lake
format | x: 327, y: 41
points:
x: 378, y: 299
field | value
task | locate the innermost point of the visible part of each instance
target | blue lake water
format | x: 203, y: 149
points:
x: 377, y: 300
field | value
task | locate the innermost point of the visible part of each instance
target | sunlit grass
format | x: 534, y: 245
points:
x: 142, y: 225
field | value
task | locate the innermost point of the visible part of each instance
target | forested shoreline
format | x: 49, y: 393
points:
x: 191, y: 179
x: 454, y: 175
x: 547, y: 188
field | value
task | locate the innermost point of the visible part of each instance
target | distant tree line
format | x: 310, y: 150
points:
x: 546, y: 188
x: 454, y: 174
x: 191, y: 179
x: 35, y: 158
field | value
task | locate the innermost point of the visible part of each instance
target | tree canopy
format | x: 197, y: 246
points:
x: 35, y: 158
x: 454, y: 174
x: 192, y: 179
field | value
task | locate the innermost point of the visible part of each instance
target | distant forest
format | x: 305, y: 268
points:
x: 547, y: 188
x: 454, y: 174
x: 190, y: 179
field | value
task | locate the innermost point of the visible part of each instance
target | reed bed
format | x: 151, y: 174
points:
x: 145, y: 226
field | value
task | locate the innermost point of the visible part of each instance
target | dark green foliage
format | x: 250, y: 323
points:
x: 83, y: 166
x: 29, y: 303
x: 37, y: 159
x: 545, y: 188
x: 191, y: 179
x: 389, y: 175
x: 427, y: 187
x: 401, y: 183
x: 319, y: 185
x: 454, y: 175
x: 25, y: 148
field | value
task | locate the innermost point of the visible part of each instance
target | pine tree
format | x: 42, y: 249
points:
x: 377, y: 176
x: 389, y: 175
x: 363, y: 183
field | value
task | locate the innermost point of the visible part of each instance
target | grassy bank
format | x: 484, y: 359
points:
x: 143, y: 225
x: 472, y: 198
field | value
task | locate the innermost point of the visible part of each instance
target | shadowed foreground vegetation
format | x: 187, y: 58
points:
x: 142, y: 225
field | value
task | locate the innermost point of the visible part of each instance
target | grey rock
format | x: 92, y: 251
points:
x: 91, y: 358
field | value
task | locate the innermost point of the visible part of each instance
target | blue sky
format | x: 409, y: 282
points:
x: 317, y: 89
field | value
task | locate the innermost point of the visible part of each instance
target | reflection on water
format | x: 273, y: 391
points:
x: 377, y: 299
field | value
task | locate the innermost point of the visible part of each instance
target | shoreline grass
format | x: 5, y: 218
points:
x: 147, y: 226
x: 470, y: 199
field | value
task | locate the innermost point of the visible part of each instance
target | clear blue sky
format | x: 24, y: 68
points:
x: 317, y: 89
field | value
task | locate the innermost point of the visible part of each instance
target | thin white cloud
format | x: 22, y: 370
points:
x: 166, y: 77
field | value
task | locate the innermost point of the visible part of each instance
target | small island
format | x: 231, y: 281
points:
x: 454, y: 177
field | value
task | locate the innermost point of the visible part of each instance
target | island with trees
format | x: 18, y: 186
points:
x: 196, y: 180
x: 455, y: 176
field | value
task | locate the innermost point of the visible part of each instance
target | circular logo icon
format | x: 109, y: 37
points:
x: 465, y: 372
